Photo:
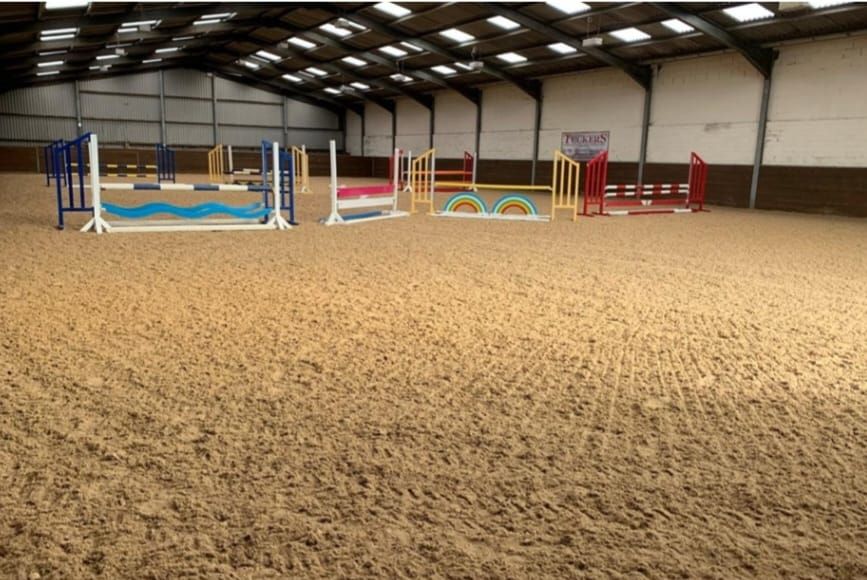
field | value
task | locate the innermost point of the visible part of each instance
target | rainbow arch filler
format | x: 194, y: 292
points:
x: 512, y: 206
x: 508, y: 202
x: 466, y: 200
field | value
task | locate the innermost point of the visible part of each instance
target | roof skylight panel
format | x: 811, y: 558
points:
x: 748, y: 12
x: 677, y: 26
x: 392, y: 9
x: 457, y: 35
x: 568, y: 6
x: 630, y: 34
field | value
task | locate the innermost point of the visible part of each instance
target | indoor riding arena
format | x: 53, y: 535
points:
x: 433, y: 290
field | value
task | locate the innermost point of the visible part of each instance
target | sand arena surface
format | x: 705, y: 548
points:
x: 667, y: 397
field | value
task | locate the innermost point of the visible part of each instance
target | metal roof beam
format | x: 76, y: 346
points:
x: 506, y: 34
x: 424, y: 100
x: 762, y: 59
x: 243, y: 76
x: 468, y: 93
x: 640, y: 74
x: 530, y: 87
x: 387, y: 105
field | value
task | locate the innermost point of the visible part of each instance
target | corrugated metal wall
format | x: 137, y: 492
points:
x: 126, y: 111
x: 37, y: 114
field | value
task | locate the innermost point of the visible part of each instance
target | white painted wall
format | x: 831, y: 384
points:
x: 353, y: 134
x: 818, y: 107
x: 413, y: 126
x: 818, y: 112
x: 507, y: 123
x: 604, y: 100
x: 377, y: 127
x: 707, y: 105
x: 454, y: 125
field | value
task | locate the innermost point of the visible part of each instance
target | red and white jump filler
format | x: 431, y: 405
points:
x: 364, y: 197
x: 642, y: 198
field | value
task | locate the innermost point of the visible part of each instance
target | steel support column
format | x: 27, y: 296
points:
x: 214, y: 109
x: 363, y: 130
x: 78, y: 129
x: 536, y: 123
x: 645, y: 129
x: 478, y: 142
x: 430, y: 140
x: 393, y: 131
x: 760, y: 139
x: 162, y: 107
x: 285, y: 118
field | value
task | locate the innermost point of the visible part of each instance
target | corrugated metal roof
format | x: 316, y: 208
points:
x: 219, y: 47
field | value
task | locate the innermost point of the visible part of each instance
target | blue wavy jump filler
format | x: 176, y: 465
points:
x: 251, y: 211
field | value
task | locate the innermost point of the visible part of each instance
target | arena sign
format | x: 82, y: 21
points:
x: 584, y: 145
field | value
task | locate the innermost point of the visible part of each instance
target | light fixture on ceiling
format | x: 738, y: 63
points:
x: 476, y: 65
x: 591, y: 40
